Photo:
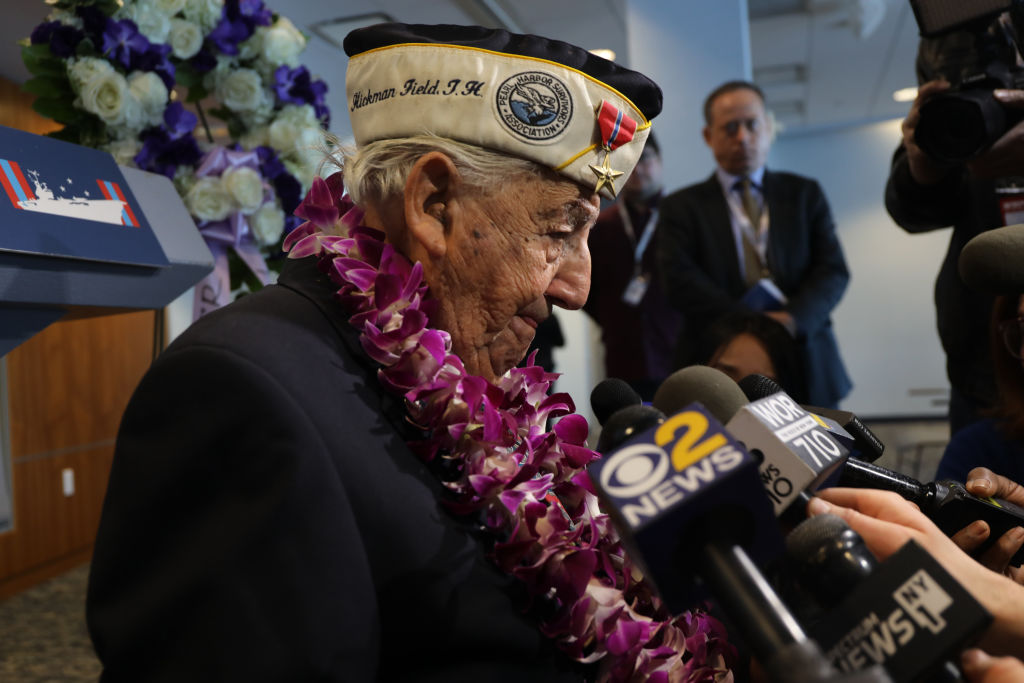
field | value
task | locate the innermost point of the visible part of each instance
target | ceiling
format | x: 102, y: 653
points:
x: 806, y: 54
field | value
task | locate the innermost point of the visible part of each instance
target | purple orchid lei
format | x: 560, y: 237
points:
x: 527, y: 484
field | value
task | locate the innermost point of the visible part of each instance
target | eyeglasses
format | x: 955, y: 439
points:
x: 1013, y: 334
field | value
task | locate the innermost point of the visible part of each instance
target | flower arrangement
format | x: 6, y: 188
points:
x: 493, y: 451
x: 139, y: 78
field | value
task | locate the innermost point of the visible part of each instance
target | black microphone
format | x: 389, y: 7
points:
x: 907, y: 613
x: 843, y: 425
x: 626, y: 423
x: 688, y: 503
x: 947, y: 503
x: 610, y: 395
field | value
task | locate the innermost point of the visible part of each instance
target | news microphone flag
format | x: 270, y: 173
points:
x: 909, y: 615
x: 798, y: 453
x: 671, y: 487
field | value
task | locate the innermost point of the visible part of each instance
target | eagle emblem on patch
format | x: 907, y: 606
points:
x: 534, y: 105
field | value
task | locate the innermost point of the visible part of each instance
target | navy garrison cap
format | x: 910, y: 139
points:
x: 541, y: 99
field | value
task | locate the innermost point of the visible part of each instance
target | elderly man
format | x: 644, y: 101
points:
x: 752, y: 239
x: 343, y: 477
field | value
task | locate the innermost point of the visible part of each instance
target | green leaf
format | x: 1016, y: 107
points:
x: 60, y: 110
x: 196, y: 93
x: 49, y: 86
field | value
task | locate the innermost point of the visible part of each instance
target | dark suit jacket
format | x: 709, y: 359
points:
x: 702, y: 277
x: 639, y: 340
x: 265, y: 520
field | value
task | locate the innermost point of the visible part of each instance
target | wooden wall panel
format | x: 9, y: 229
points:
x: 70, y: 383
x: 66, y: 390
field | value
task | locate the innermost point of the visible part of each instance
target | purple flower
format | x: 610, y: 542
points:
x: 93, y: 21
x: 63, y: 39
x: 296, y: 86
x: 166, y: 147
x: 156, y: 59
x: 253, y: 12
x: 203, y: 61
x: 122, y: 41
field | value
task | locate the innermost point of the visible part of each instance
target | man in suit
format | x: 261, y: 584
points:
x: 752, y: 239
x: 639, y: 327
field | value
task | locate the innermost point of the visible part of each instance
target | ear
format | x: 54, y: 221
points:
x: 430, y: 190
x: 707, y: 135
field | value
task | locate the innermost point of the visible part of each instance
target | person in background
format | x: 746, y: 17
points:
x: 997, y: 440
x: 742, y: 344
x: 639, y: 328
x: 751, y: 239
x: 924, y: 194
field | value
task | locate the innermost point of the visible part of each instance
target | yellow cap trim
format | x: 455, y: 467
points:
x: 505, y: 54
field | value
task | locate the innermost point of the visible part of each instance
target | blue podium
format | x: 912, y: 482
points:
x: 81, y: 236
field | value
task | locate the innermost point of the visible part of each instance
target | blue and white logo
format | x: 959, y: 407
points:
x: 534, y: 105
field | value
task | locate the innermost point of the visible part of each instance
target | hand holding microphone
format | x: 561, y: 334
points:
x: 886, y: 521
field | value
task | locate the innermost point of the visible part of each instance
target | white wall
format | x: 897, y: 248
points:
x: 885, y: 323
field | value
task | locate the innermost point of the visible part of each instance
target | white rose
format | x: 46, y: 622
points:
x: 206, y: 13
x: 169, y: 7
x: 207, y: 200
x: 256, y: 136
x: 185, y: 38
x: 241, y: 90
x: 86, y: 69
x: 150, y: 91
x: 133, y: 116
x: 282, y: 43
x: 267, y: 224
x: 287, y: 132
x: 124, y: 151
x: 105, y: 96
x: 252, y: 46
x: 302, y: 172
x: 152, y: 23
x: 245, y: 185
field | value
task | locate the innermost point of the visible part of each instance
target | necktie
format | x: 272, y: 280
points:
x: 751, y: 259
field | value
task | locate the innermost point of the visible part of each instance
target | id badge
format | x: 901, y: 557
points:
x: 635, y: 290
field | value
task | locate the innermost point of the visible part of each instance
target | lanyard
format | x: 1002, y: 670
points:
x: 645, y: 239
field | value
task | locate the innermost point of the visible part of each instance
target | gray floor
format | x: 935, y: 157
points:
x: 42, y: 633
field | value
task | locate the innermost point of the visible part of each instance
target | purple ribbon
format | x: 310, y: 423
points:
x: 234, y: 232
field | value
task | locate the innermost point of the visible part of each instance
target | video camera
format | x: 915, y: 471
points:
x: 961, y: 123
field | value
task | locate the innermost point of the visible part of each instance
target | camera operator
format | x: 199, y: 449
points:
x: 929, y: 190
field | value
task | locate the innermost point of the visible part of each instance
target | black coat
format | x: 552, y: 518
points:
x: 701, y: 270
x: 265, y: 520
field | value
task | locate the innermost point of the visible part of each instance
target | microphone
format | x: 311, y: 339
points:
x: 793, y: 451
x: 990, y: 262
x: 907, y: 613
x: 625, y: 423
x: 842, y: 425
x: 610, y: 395
x: 947, y: 503
x: 687, y: 502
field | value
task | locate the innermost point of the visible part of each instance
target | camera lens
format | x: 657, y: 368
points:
x: 958, y: 126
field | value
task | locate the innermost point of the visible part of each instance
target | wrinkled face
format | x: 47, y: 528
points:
x: 511, y: 256
x: 744, y: 355
x: 645, y: 181
x: 738, y: 135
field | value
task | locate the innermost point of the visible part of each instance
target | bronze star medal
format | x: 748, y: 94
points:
x: 606, y: 175
x: 616, y: 128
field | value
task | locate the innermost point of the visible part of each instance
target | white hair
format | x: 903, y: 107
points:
x: 378, y: 170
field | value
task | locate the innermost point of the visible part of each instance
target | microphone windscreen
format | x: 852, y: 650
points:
x: 609, y: 396
x: 625, y: 423
x: 759, y: 386
x: 712, y: 388
x: 993, y: 262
